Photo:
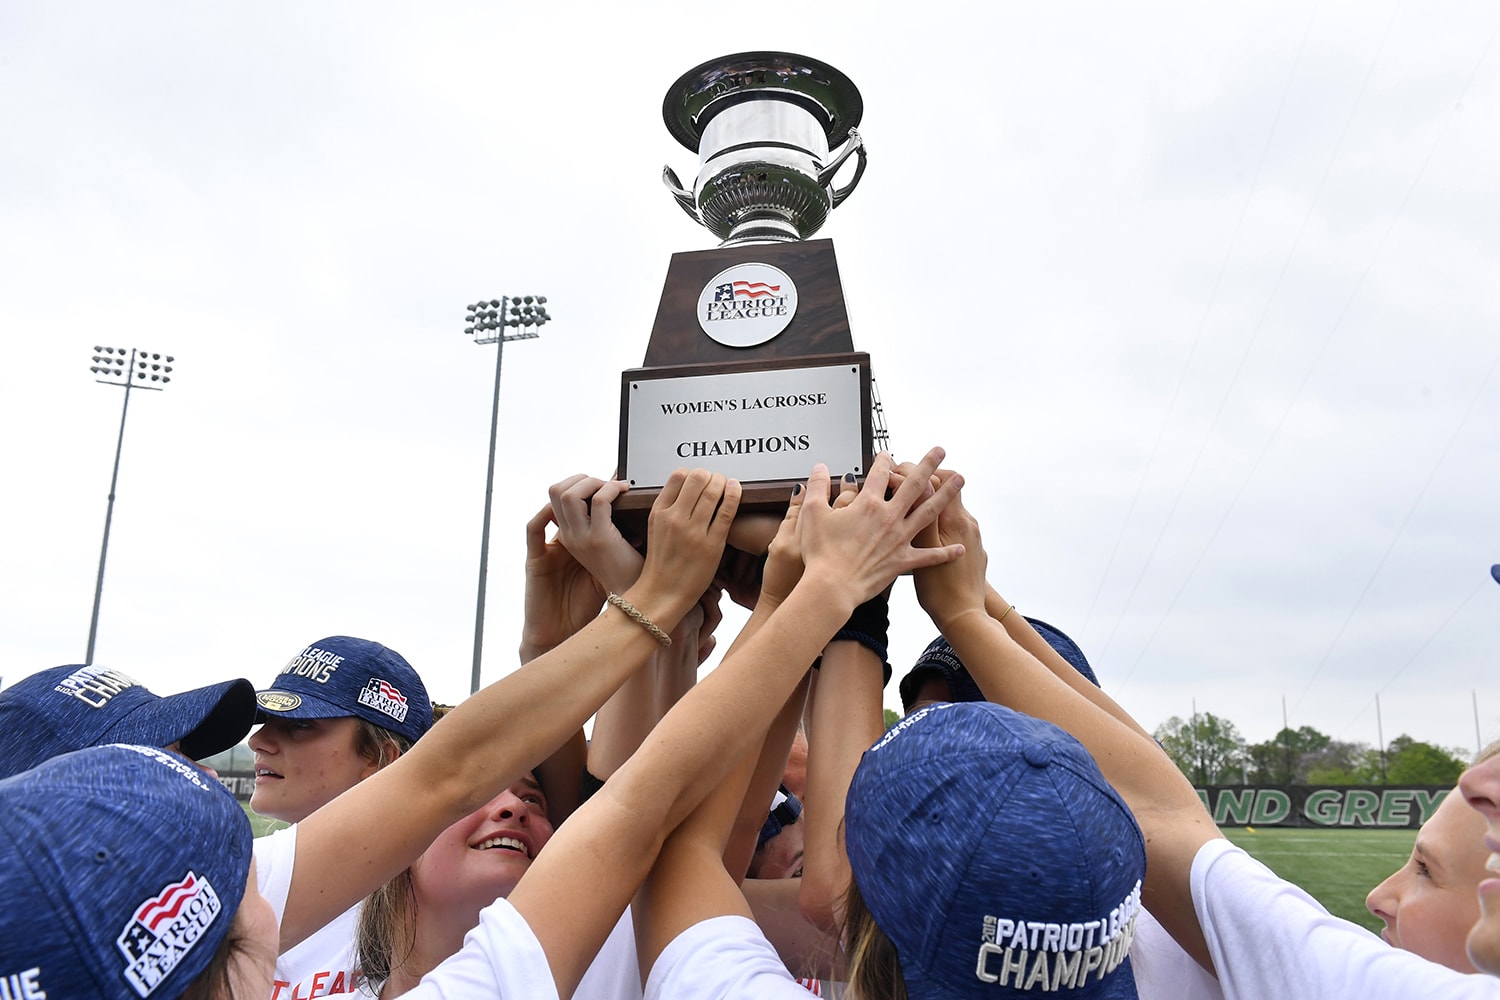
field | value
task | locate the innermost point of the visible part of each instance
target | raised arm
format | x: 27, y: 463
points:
x: 377, y: 828
x: 1164, y: 803
x: 577, y: 888
x: 1029, y: 639
x: 847, y: 718
x: 561, y: 597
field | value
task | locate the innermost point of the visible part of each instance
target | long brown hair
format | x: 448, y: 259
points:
x: 387, y: 930
x: 874, y: 968
x: 377, y: 744
x: 214, y: 981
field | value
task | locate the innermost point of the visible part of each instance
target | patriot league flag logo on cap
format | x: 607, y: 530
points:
x: 342, y: 676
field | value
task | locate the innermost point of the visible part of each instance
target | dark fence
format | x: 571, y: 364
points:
x: 1322, y: 805
x: 242, y: 785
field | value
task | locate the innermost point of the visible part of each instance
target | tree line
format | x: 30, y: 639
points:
x: 1211, y: 751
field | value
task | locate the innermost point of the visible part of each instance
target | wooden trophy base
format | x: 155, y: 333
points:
x: 717, y: 391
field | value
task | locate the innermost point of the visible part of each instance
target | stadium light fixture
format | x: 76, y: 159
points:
x: 131, y: 368
x: 488, y: 322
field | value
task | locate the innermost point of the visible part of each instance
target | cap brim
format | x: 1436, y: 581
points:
x: 912, y: 683
x: 202, y: 722
x: 299, y: 706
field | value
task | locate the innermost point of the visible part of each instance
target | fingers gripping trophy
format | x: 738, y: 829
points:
x: 751, y: 369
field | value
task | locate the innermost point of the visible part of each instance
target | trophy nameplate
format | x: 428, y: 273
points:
x: 766, y: 422
x: 751, y: 368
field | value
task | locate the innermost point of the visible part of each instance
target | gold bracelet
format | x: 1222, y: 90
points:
x: 1005, y: 612
x: 640, y: 619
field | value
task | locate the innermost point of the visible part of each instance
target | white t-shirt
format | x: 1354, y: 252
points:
x: 505, y: 939
x: 1163, y: 970
x: 323, y: 963
x: 500, y: 960
x: 719, y: 958
x: 1268, y: 938
x: 615, y: 973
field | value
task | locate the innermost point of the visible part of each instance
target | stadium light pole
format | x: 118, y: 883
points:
x: 1380, y: 735
x: 139, y: 370
x: 488, y: 320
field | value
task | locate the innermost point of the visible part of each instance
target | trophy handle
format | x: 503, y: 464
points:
x: 856, y: 144
x: 669, y: 178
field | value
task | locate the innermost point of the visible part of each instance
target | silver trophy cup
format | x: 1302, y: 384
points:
x: 771, y: 129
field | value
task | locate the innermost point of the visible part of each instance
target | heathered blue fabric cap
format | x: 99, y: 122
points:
x: 1495, y: 572
x: 121, y: 868
x: 938, y: 658
x: 68, y: 708
x: 341, y: 676
x: 1066, y: 648
x: 995, y: 856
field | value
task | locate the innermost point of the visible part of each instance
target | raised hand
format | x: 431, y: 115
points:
x: 744, y: 559
x: 784, y: 558
x: 685, y: 536
x: 859, y: 545
x: 950, y: 589
x: 561, y: 595
x: 900, y: 473
x: 581, y: 506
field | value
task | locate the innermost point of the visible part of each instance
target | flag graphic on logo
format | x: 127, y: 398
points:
x: 164, y: 929
x: 744, y: 290
x: 384, y: 697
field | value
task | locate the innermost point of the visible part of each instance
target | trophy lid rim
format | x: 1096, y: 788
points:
x: 687, y: 108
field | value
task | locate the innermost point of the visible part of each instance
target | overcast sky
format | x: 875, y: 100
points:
x: 1204, y: 301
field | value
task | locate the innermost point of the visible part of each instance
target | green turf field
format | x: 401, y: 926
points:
x: 1337, y: 867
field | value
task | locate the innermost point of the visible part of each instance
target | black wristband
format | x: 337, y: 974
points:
x: 588, y: 785
x: 872, y: 618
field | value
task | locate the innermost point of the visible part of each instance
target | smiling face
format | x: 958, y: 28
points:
x: 302, y: 764
x: 482, y: 856
x: 1429, y: 904
x: 1480, y: 786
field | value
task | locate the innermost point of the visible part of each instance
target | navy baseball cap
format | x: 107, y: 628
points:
x: 341, y: 676
x: 121, y: 868
x: 786, y: 809
x: 1495, y: 572
x: 938, y: 659
x: 1066, y: 648
x: 72, y: 707
x: 995, y: 856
